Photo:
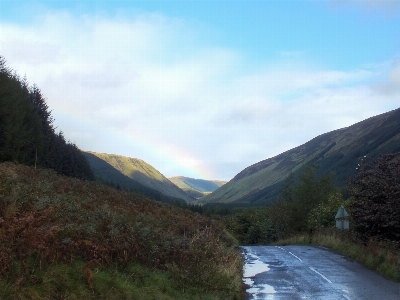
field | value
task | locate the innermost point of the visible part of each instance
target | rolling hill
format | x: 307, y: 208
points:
x: 135, y: 175
x: 197, y: 188
x: 336, y: 152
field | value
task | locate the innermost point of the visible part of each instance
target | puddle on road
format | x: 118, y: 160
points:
x: 261, y: 289
x: 254, y: 266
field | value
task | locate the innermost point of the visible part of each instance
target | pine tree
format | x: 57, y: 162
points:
x: 19, y: 125
x: 27, y: 134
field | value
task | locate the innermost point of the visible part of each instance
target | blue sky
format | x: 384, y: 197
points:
x: 205, y: 88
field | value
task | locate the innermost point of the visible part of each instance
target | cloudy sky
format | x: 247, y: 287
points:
x: 205, y: 88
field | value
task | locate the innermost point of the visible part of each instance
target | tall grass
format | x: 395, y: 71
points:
x: 71, y: 239
x: 380, y: 256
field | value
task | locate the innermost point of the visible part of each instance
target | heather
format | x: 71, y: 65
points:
x: 65, y: 238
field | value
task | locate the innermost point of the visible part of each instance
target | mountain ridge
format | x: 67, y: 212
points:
x: 198, y: 188
x: 336, y: 151
x: 134, y: 174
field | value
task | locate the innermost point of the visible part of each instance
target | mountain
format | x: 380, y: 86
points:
x: 197, y: 188
x: 135, y: 175
x: 336, y: 152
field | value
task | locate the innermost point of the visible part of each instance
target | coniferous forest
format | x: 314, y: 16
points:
x: 27, y: 133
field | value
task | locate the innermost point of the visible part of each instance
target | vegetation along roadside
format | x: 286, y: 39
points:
x: 67, y: 238
x: 305, y: 213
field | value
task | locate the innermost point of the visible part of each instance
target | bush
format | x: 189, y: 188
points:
x: 375, y: 207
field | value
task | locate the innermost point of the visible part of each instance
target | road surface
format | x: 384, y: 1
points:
x: 306, y: 272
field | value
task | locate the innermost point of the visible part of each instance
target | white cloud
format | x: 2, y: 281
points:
x: 141, y: 88
x: 390, y: 87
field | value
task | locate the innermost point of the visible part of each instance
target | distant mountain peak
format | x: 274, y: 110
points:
x: 196, y: 187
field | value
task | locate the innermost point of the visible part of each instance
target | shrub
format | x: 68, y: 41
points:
x: 375, y: 208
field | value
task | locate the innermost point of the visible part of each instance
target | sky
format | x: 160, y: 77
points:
x: 205, y: 88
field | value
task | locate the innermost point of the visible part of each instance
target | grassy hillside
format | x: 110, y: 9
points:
x: 135, y: 174
x: 338, y: 152
x: 63, y: 238
x: 196, y: 187
x: 107, y: 174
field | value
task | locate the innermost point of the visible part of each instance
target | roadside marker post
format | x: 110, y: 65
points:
x: 342, y: 219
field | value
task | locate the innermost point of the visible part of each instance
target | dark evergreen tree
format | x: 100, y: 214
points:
x: 41, y: 110
x: 19, y: 126
x: 27, y: 134
x: 375, y: 209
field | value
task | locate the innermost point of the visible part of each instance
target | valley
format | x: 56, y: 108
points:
x: 337, y: 152
x: 83, y: 224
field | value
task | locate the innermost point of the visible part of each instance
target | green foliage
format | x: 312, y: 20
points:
x: 323, y: 215
x: 312, y: 189
x: 280, y: 217
x: 251, y: 226
x: 306, y: 203
x: 66, y: 238
x: 66, y: 281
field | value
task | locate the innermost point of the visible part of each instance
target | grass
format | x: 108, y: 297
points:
x: 380, y: 256
x: 64, y: 281
x: 62, y: 238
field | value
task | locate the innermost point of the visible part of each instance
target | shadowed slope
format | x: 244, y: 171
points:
x: 337, y: 151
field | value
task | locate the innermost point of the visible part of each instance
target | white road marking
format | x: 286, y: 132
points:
x: 296, y: 256
x: 312, y: 269
x: 290, y: 253
x: 346, y: 297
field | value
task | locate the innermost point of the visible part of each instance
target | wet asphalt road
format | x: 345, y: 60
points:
x: 306, y: 272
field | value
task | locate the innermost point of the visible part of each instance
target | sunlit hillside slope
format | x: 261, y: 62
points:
x: 197, y: 188
x: 134, y: 174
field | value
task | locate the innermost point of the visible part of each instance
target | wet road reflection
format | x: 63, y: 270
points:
x: 305, y: 272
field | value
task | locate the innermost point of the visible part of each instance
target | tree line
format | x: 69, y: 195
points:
x: 27, y: 132
x: 309, y: 202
